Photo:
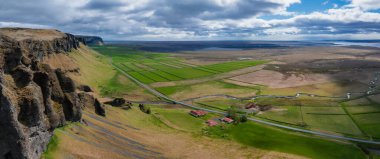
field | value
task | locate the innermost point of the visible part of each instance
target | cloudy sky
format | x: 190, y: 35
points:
x: 199, y: 19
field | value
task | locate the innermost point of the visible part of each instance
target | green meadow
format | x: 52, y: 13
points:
x: 150, y: 67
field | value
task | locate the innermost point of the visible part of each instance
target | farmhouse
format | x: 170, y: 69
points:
x: 227, y: 120
x: 198, y: 113
x: 211, y: 123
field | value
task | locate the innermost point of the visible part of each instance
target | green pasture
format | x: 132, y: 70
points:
x: 285, y: 114
x: 181, y: 118
x: 363, y: 109
x: 160, y: 67
x: 274, y: 139
x: 369, y: 123
x: 330, y: 119
x: 221, y: 103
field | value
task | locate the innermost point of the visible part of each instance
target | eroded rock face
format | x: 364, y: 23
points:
x: 87, y: 99
x: 34, y: 98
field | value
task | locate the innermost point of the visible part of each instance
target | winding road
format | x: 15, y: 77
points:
x: 158, y: 94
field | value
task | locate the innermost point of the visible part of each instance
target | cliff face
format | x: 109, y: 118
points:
x: 90, y: 40
x: 36, y: 98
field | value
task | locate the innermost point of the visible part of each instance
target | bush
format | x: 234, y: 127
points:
x: 244, y: 119
x: 144, y: 109
x: 232, y: 112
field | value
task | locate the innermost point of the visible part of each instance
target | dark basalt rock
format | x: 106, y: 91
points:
x: 71, y: 107
x: 34, y: 98
x: 22, y: 76
x: 117, y: 102
x: 88, y: 100
x: 66, y: 83
x: 85, y: 88
x: 99, y: 108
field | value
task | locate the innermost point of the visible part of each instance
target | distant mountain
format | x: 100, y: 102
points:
x: 90, y: 40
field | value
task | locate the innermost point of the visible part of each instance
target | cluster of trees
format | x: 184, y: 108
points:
x: 144, y: 109
x: 233, y: 114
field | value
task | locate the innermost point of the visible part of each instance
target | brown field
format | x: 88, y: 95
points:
x: 205, y: 89
x: 313, y: 69
x: 288, y: 55
x: 274, y: 79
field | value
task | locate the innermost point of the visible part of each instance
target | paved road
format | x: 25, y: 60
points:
x: 153, y: 91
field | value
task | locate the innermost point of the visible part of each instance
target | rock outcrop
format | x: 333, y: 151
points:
x: 34, y: 97
x: 90, y: 40
x: 117, y: 102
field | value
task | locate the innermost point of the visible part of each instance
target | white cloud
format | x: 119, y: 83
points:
x: 282, y: 31
x: 23, y: 25
x: 365, y: 4
x: 190, y: 19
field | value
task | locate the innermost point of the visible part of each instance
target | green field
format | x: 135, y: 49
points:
x: 285, y: 114
x: 159, y: 67
x: 183, y: 92
x: 181, y: 118
x: 260, y: 136
x: 330, y: 119
x: 363, y: 109
x: 221, y: 103
x: 304, y: 101
x: 370, y: 123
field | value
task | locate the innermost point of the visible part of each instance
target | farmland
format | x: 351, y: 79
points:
x: 320, y: 114
x: 207, y: 82
x: 153, y: 67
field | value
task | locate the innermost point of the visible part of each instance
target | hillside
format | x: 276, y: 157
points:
x: 37, y: 95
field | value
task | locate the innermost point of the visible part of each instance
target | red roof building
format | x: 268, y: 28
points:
x: 211, y: 123
x: 198, y: 113
x: 227, y: 120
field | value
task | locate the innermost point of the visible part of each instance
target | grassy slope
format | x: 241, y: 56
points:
x: 181, y: 118
x: 96, y: 72
x: 94, y: 69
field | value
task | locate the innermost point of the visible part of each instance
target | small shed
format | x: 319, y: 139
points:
x: 198, y: 113
x: 211, y: 123
x: 227, y: 120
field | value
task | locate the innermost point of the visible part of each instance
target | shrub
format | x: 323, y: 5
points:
x: 144, y: 109
x: 244, y: 119
x: 148, y: 111
x: 232, y: 112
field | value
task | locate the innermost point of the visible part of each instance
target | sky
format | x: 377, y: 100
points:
x: 199, y: 19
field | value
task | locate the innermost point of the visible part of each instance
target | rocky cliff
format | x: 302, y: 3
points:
x: 90, y: 40
x: 36, y: 96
